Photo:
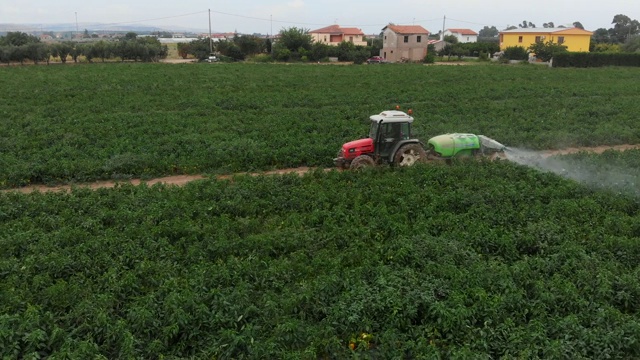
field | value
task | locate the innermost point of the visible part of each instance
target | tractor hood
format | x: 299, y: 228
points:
x: 357, y: 147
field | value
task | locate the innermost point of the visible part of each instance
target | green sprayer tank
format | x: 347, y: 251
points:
x: 449, y: 145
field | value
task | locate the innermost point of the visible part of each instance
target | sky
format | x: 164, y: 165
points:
x: 271, y: 16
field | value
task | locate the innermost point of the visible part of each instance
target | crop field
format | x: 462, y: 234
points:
x: 63, y: 124
x: 479, y: 259
x: 472, y: 260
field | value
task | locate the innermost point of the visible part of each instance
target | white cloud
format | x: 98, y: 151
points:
x: 296, y: 4
x: 271, y: 15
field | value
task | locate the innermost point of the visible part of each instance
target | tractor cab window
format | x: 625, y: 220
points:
x: 391, y: 131
x: 373, y: 131
x: 405, y: 131
x: 395, y: 131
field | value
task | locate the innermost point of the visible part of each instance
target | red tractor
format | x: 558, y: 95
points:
x: 389, y: 142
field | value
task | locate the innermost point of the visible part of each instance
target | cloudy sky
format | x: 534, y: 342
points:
x: 270, y: 16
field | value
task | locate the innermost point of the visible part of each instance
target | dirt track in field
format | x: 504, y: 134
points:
x: 180, y: 180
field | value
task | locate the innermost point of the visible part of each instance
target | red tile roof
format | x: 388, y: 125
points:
x: 407, y: 29
x: 352, y: 31
x: 337, y: 30
x: 463, y: 31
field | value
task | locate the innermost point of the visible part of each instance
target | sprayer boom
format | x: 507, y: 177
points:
x: 489, y: 143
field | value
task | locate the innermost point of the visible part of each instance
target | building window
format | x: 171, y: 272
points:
x: 519, y: 39
x: 406, y: 39
x: 385, y: 37
x: 419, y: 38
x: 467, y: 39
x: 560, y: 39
x: 538, y: 39
x: 350, y: 39
x: 325, y: 38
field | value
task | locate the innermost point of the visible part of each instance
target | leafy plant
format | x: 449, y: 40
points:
x: 474, y: 259
x: 114, y: 121
x: 516, y: 53
x: 547, y: 50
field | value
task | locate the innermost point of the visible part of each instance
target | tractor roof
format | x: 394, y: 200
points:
x: 392, y: 116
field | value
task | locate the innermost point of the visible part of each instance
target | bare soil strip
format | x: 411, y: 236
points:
x: 180, y: 180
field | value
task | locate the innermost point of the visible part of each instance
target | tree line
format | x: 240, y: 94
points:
x: 291, y: 44
x: 296, y: 44
x: 21, y: 47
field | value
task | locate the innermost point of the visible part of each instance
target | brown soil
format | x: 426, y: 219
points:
x: 440, y: 63
x: 180, y: 180
x: 178, y: 61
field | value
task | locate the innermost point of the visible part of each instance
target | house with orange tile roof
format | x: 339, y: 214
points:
x: 334, y: 35
x: 575, y: 39
x: 463, y: 35
x: 402, y: 43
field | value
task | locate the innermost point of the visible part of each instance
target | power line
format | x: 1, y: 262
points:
x: 154, y: 19
x: 469, y: 22
x: 429, y: 20
x: 292, y: 22
x: 100, y: 26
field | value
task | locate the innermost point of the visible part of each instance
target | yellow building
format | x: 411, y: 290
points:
x: 574, y: 39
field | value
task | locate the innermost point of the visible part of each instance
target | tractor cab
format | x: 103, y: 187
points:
x: 388, y: 131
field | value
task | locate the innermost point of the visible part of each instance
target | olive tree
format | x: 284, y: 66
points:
x: 632, y: 44
x: 294, y: 40
x: 64, y: 49
x: 37, y: 51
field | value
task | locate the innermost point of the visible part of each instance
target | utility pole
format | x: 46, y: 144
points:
x: 210, y: 39
x: 443, y: 21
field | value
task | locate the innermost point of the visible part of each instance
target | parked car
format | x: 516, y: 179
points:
x: 376, y: 60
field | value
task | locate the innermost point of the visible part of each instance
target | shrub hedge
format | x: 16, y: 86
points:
x: 582, y: 59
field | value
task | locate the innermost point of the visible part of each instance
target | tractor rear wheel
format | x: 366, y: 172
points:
x: 361, y: 162
x: 409, y: 155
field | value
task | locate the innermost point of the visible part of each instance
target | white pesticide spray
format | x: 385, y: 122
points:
x: 610, y: 177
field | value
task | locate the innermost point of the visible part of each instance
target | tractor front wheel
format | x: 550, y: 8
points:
x: 410, y: 154
x: 361, y: 162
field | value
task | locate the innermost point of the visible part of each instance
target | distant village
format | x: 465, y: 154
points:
x: 394, y: 43
x: 163, y: 36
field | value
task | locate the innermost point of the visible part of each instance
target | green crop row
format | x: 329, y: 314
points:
x: 65, y: 124
x: 474, y: 260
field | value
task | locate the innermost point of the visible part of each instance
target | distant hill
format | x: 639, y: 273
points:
x: 94, y: 27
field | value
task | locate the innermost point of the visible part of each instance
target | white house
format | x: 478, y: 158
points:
x: 463, y: 35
